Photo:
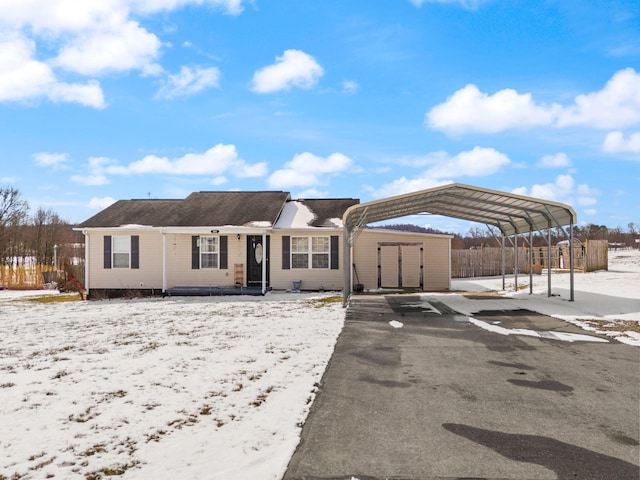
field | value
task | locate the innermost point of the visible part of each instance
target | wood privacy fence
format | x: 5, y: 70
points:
x: 487, y: 261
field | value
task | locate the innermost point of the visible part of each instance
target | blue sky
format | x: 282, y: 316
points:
x: 120, y: 99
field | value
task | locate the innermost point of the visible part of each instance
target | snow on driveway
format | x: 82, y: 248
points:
x: 212, y: 388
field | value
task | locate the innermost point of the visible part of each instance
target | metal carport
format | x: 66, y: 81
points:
x: 513, y: 215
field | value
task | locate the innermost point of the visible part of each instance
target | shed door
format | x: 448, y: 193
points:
x: 410, y: 261
x: 389, y: 266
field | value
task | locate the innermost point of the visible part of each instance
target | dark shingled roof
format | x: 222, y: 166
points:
x: 200, y: 209
x: 325, y: 209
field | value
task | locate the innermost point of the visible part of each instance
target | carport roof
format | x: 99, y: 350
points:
x: 510, y: 213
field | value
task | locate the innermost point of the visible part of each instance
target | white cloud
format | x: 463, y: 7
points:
x: 88, y: 94
x: 231, y: 7
x: 219, y: 181
x: 407, y: 185
x: 615, y: 142
x: 563, y: 190
x: 293, y: 69
x: 349, y: 86
x: 557, y: 160
x: 22, y: 78
x: 312, y: 193
x: 53, y: 160
x: 478, y: 162
x: 251, y: 170
x: 189, y: 81
x: 97, y: 203
x: 121, y: 47
x: 469, y: 110
x: 96, y: 168
x: 90, y: 180
x: 89, y: 38
x: 616, y: 105
x: 218, y: 160
x: 306, y: 170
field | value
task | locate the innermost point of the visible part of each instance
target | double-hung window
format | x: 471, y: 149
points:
x: 299, y: 252
x: 309, y: 252
x: 209, y: 252
x: 319, y: 252
x: 121, y: 251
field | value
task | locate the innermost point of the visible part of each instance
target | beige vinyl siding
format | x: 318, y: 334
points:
x: 148, y: 276
x: 180, y: 273
x: 435, y: 259
x: 312, y: 278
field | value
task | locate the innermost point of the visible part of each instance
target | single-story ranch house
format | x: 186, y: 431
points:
x: 249, y: 242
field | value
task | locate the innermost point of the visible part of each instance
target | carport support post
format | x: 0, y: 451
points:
x: 346, y: 265
x: 503, y: 263
x: 515, y: 260
x: 549, y: 259
x: 530, y: 262
x: 571, y: 261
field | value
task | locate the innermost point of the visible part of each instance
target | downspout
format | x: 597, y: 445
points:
x: 86, y: 260
x: 164, y: 262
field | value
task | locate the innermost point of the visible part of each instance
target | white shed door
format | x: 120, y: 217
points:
x: 411, y: 266
x: 389, y: 272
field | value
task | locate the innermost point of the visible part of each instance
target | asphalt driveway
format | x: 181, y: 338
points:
x: 416, y: 391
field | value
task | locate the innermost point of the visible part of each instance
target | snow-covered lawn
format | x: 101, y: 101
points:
x: 188, y: 388
x: 215, y: 387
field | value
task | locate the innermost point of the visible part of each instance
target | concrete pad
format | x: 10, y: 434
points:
x: 440, y: 398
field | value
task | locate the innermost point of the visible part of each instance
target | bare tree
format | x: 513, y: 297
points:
x: 13, y: 214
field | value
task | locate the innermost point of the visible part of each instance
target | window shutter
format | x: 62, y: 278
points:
x: 335, y: 259
x: 286, y: 252
x: 107, y: 251
x: 195, y: 253
x: 135, y: 251
x: 224, y: 244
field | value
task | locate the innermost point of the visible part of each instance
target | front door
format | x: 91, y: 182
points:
x: 255, y: 250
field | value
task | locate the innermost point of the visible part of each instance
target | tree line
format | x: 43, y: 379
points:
x: 477, y: 237
x: 26, y: 236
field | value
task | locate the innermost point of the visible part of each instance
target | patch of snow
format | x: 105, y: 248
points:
x: 336, y: 222
x: 211, y: 387
x: 607, y: 295
x: 259, y: 224
x: 566, y: 337
x: 396, y: 324
x: 295, y: 214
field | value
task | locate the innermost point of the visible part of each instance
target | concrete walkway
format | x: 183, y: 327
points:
x: 415, y: 391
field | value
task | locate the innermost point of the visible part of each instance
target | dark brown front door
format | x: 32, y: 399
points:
x: 254, y: 259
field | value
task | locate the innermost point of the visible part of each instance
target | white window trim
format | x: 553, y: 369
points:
x: 114, y: 252
x: 215, y: 253
x: 310, y: 252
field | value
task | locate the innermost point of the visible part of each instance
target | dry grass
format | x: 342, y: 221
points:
x: 54, y: 298
x: 614, y: 325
